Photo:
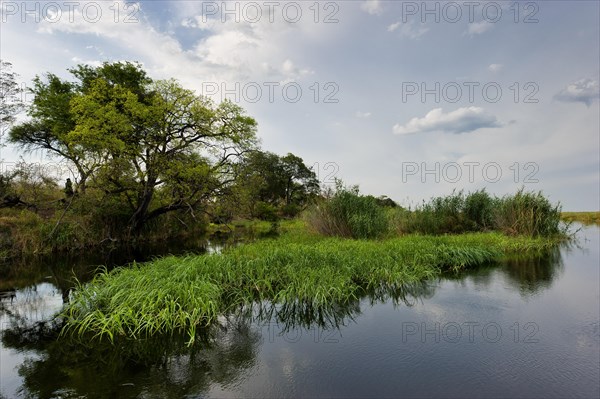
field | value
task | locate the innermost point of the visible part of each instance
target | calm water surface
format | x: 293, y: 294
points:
x: 526, y: 328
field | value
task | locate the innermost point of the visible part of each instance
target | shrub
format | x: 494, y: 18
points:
x: 479, y: 209
x: 265, y: 211
x: 441, y: 215
x: 221, y: 215
x: 290, y: 210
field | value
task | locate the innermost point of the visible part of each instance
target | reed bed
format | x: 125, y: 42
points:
x: 586, y: 218
x: 522, y: 213
x: 180, y: 294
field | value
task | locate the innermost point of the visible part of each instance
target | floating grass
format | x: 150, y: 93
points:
x: 180, y: 294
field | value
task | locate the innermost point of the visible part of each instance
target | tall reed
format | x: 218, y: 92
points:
x: 349, y: 214
x: 524, y: 213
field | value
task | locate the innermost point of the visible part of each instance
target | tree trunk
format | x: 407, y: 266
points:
x: 140, y: 216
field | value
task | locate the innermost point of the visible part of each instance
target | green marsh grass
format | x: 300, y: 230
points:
x: 180, y: 294
x: 523, y: 213
x: 348, y: 214
x: 581, y: 217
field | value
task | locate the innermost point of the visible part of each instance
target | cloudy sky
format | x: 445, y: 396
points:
x: 406, y: 99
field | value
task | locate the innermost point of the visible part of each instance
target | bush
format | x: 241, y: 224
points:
x: 290, y: 210
x: 265, y: 211
x: 348, y: 214
x: 221, y: 215
x: 439, y: 216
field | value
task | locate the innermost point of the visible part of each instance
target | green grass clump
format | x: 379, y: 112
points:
x: 177, y: 295
x: 528, y: 213
x: 349, y: 214
x: 581, y: 217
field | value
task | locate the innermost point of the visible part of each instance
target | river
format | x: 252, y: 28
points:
x: 523, y: 328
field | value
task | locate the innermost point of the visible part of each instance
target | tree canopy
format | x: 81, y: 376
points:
x: 156, y: 145
x: 277, y: 180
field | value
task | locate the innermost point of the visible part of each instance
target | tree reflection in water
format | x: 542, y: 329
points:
x: 224, y: 352
x: 164, y: 366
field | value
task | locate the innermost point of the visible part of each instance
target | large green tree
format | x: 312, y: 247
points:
x: 53, y: 122
x: 276, y: 180
x: 157, y: 146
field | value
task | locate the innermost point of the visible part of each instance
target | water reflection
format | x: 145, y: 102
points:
x: 534, y: 274
x: 223, y: 353
x: 226, y: 353
x: 529, y: 275
x: 161, y: 368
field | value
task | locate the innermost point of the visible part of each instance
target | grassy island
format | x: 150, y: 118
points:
x: 179, y: 294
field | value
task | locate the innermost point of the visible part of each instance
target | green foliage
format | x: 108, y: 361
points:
x: 291, y: 210
x: 523, y: 213
x: 479, y: 209
x: 10, y: 96
x: 177, y: 294
x: 444, y: 214
x: 265, y: 211
x: 152, y: 146
x: 284, y: 182
x: 221, y: 214
x: 349, y: 214
x: 528, y: 213
x: 386, y: 202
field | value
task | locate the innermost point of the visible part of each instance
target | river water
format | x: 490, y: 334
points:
x: 523, y: 328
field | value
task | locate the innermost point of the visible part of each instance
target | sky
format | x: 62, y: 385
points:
x: 405, y: 99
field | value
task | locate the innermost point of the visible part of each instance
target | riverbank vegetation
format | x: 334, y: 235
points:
x: 183, y: 293
x: 141, y: 160
x: 581, y: 217
x: 522, y: 213
x: 134, y: 160
x: 345, y: 245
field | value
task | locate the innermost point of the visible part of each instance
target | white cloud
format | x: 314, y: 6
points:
x: 584, y: 90
x: 189, y: 23
x: 94, y: 63
x: 462, y: 120
x: 372, y: 7
x: 228, y: 51
x: 363, y: 115
x: 292, y: 72
x: 393, y: 27
x: 477, y: 28
x: 409, y: 29
x: 496, y: 67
